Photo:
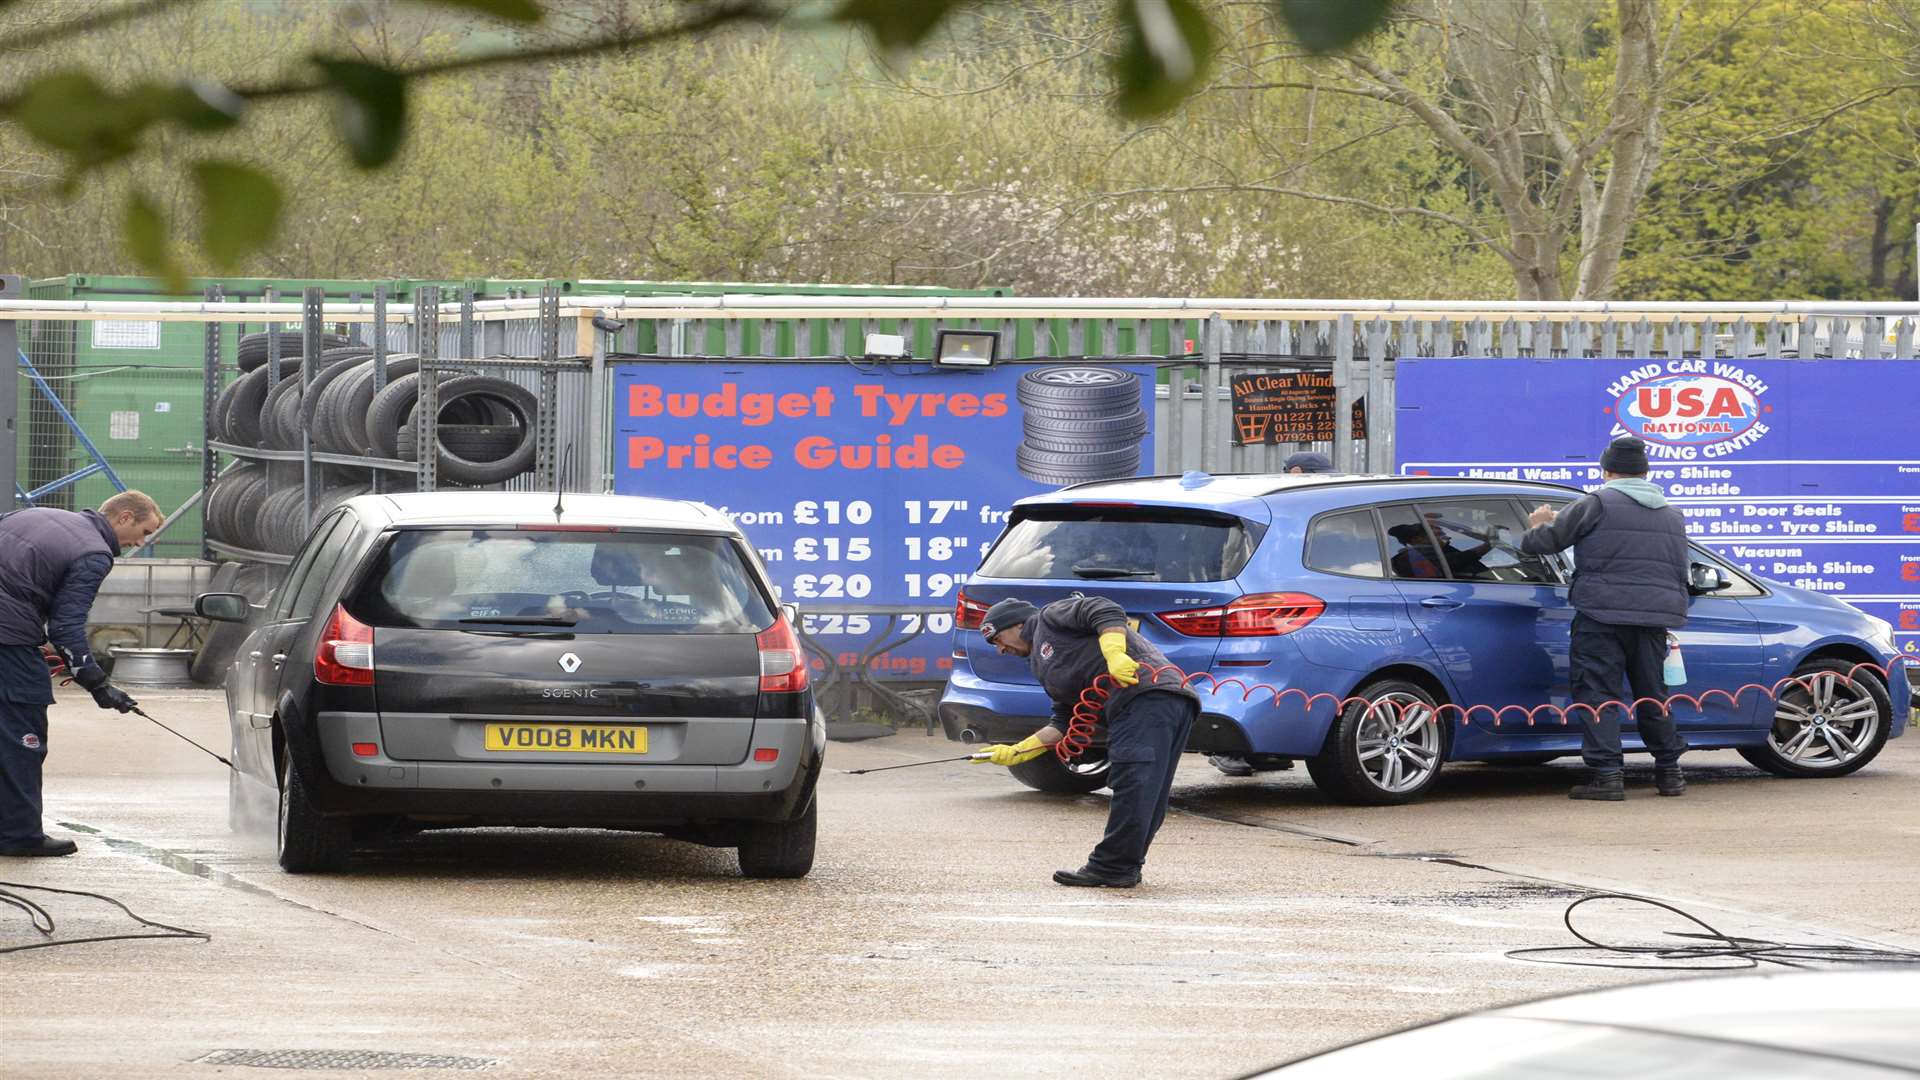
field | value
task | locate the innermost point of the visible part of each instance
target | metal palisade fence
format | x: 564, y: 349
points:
x: 118, y: 394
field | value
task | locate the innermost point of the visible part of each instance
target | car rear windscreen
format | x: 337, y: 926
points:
x: 580, y: 582
x: 1082, y: 543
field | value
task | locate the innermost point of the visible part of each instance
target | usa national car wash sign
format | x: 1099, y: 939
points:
x: 1788, y: 468
x: 874, y: 485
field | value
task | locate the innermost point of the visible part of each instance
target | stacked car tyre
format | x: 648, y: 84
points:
x: 1081, y: 423
x: 252, y: 351
x: 486, y: 427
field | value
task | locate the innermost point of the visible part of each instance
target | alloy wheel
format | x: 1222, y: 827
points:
x: 1825, y: 727
x: 1398, y: 742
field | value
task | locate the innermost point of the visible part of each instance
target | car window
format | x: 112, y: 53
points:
x: 1345, y: 544
x: 310, y: 569
x: 1087, y: 543
x: 591, y: 582
x: 1411, y: 552
x: 1479, y: 540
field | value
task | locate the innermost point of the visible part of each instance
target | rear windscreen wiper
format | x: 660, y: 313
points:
x: 523, y: 620
x: 1106, y: 572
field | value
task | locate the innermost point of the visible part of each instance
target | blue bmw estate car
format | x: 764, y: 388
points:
x: 1310, y: 600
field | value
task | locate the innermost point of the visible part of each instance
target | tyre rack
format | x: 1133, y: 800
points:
x: 426, y: 325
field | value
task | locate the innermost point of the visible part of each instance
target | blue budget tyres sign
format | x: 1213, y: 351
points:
x: 873, y: 486
x: 1787, y: 468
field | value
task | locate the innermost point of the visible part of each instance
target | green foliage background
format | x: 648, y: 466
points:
x: 992, y: 153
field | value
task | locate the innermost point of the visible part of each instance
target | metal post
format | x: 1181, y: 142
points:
x: 466, y: 324
x: 209, y: 393
x: 10, y: 289
x: 273, y: 342
x: 1210, y: 379
x: 426, y: 322
x: 426, y: 338
x: 545, y: 426
x: 377, y: 480
x: 600, y: 475
x: 1377, y: 416
x: 1343, y: 396
x: 313, y: 309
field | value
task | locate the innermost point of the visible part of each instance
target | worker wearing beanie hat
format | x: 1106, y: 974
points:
x: 1629, y: 588
x: 1149, y: 711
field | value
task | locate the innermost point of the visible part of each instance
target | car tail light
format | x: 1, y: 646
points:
x: 345, y: 657
x: 767, y: 753
x: 366, y: 749
x: 783, y: 666
x: 1256, y: 615
x: 968, y: 613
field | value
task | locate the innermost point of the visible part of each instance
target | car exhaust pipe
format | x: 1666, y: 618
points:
x: 970, y: 736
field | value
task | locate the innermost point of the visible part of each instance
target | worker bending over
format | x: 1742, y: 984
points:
x: 1070, y: 643
x: 51, y: 565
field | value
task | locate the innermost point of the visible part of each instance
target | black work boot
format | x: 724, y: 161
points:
x: 1603, y: 785
x: 1669, y: 780
x: 47, y: 846
x: 1088, y: 877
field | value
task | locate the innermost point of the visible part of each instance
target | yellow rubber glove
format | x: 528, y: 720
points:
x: 1025, y: 750
x: 1124, y: 669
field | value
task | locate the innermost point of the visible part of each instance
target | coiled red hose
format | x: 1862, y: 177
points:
x: 1092, y: 703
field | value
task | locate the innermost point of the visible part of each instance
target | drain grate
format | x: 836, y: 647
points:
x: 341, y: 1059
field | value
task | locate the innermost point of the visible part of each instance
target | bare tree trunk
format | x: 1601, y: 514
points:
x: 1635, y: 148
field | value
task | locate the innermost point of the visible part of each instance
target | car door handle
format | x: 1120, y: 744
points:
x: 255, y: 654
x: 1444, y: 603
x: 279, y: 658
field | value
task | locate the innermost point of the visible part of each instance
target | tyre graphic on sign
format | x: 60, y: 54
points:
x: 1080, y: 423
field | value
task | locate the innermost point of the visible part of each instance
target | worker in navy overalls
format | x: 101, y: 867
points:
x: 1070, y: 643
x: 51, y: 565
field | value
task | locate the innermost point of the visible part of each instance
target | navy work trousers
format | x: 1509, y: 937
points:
x: 1602, y: 657
x: 25, y: 693
x: 1144, y: 743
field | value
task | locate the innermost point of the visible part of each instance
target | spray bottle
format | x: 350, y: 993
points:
x: 1674, y: 672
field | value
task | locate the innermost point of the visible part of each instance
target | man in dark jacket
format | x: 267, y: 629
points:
x: 1070, y: 643
x: 51, y: 565
x: 1629, y: 589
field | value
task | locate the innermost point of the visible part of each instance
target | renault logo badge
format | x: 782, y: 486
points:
x: 569, y: 663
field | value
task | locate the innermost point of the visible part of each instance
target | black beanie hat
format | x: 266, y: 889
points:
x: 1008, y: 612
x: 1626, y: 455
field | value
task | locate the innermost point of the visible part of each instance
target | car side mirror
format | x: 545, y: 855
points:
x: 1703, y: 579
x: 223, y: 607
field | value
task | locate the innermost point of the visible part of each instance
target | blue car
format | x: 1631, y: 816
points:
x: 1376, y: 628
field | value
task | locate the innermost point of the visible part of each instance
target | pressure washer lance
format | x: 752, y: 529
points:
x: 138, y: 711
x: 982, y: 755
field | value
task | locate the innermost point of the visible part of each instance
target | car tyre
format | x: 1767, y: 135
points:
x: 1055, y: 777
x: 1379, y: 757
x: 1840, y: 711
x: 781, y: 849
x: 306, y: 841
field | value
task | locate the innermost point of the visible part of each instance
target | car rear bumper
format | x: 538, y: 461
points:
x: 571, y: 793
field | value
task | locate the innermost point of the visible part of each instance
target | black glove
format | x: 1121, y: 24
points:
x: 88, y: 674
x: 109, y: 696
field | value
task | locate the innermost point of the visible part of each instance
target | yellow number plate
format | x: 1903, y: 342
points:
x: 566, y: 738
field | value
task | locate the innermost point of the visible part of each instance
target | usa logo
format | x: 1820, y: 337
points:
x: 31, y: 742
x: 1046, y: 650
x: 1684, y: 409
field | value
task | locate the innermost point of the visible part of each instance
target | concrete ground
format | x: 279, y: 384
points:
x: 928, y: 941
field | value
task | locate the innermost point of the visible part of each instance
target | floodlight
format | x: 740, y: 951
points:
x: 966, y: 348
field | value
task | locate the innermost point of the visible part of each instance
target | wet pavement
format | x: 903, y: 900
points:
x: 927, y: 942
